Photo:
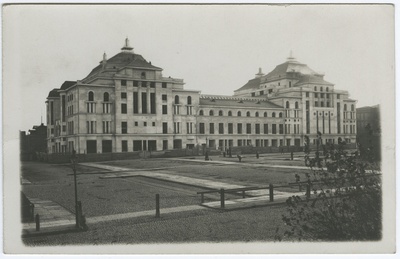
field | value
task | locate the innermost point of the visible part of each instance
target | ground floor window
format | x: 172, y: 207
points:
x: 137, y: 145
x: 177, y: 143
x: 165, y: 144
x: 124, y: 146
x: 106, y: 146
x: 91, y: 146
x: 152, y: 145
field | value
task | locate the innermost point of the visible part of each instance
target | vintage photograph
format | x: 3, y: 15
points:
x: 211, y: 128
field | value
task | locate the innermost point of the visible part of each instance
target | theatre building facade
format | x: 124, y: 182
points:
x: 125, y: 104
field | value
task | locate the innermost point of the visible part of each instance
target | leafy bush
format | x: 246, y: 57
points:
x: 345, y: 201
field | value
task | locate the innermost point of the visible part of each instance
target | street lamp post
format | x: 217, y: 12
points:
x: 73, y: 162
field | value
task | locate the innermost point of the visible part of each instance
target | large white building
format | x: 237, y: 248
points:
x: 125, y: 105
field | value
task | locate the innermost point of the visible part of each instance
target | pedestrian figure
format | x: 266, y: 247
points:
x: 257, y: 155
x: 291, y: 155
x: 240, y: 158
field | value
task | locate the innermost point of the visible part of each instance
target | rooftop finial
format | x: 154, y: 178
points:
x: 291, y: 58
x: 126, y: 47
x: 260, y: 73
x: 104, y: 56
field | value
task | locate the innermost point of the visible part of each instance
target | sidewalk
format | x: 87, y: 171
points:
x: 53, y: 217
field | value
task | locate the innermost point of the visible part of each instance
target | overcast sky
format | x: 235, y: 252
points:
x: 215, y: 49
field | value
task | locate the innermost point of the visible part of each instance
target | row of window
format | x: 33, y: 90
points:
x: 322, y: 95
x: 275, y: 129
x: 239, y: 114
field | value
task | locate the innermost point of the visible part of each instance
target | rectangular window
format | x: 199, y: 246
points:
x: 176, y: 109
x: 124, y: 145
x: 165, y: 127
x: 273, y: 128
x: 316, y: 104
x: 280, y: 128
x: 316, y: 95
x: 106, y: 126
x: 145, y: 124
x: 164, y: 85
x: 257, y: 128
x: 106, y: 107
x: 144, y: 103
x: 338, y: 96
x: 123, y: 83
x: 230, y: 128
x: 124, y: 127
x: 136, y: 123
x: 164, y: 109
x: 144, y: 84
x: 307, y: 94
x: 152, y: 103
x: 165, y: 144
x: 322, y: 95
x: 137, y: 145
x: 189, y: 127
x: 91, y: 107
x: 189, y: 110
x: 221, y: 128
x: 152, y: 85
x: 164, y: 97
x: 265, y: 128
x: 211, y: 128
x: 239, y: 128
x: 248, y: 128
x: 51, y: 113
x: 201, y: 128
x: 135, y: 83
x: 123, y: 108
x: 153, y: 123
x: 177, y: 127
x: 135, y: 103
x: 322, y: 104
x: 123, y: 95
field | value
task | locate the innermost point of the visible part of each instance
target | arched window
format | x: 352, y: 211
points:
x: 296, y: 105
x: 106, y: 97
x: 315, y: 88
x: 90, y: 96
x: 265, y: 114
x: 247, y: 114
x: 273, y: 114
x: 201, y: 113
x: 220, y: 113
x: 327, y: 89
x: 345, y: 107
x: 229, y: 113
x: 287, y: 105
x: 143, y: 75
x: 176, y: 99
x: 352, y: 107
x: 280, y: 115
x: 211, y: 113
x: 189, y: 100
x: 321, y: 89
x: 256, y: 114
x: 239, y: 114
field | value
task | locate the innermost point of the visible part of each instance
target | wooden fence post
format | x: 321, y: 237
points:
x: 222, y: 198
x: 37, y: 219
x: 271, y: 192
x: 157, y: 205
x: 32, y: 211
